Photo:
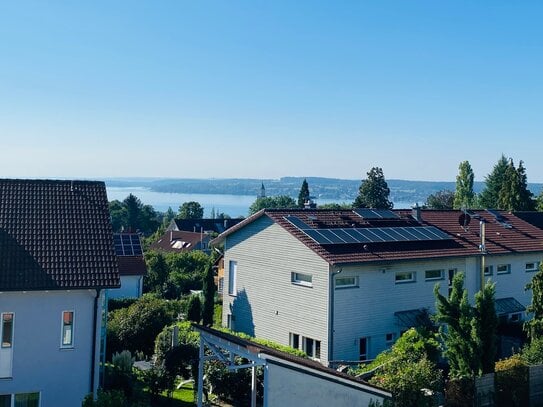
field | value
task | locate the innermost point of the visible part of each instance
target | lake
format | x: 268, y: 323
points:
x: 233, y: 205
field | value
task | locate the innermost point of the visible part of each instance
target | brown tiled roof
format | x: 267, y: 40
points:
x: 178, y: 241
x: 55, y: 235
x: 532, y: 217
x: 132, y: 266
x: 207, y: 225
x: 521, y: 237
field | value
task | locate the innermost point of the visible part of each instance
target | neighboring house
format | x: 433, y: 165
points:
x: 288, y: 380
x: 56, y: 261
x: 203, y: 225
x: 181, y: 241
x: 132, y: 268
x: 343, y: 285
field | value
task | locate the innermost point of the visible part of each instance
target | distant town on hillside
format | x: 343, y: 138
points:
x: 324, y: 188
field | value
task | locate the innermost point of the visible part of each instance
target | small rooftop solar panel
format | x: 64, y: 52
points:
x: 296, y: 221
x: 367, y: 213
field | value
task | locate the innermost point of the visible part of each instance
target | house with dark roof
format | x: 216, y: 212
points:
x: 57, y: 259
x: 181, y: 241
x: 202, y: 225
x: 132, y: 267
x: 344, y: 284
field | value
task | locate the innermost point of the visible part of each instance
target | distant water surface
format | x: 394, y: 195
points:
x: 233, y: 205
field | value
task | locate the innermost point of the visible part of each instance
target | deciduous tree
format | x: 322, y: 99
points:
x: 281, y: 201
x: 534, y: 327
x: 373, y: 191
x: 464, y: 197
x: 191, y: 210
x: 441, y: 200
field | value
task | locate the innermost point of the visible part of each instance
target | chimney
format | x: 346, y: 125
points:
x: 171, y: 235
x: 415, y: 212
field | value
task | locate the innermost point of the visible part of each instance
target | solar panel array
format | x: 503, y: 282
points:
x: 367, y: 213
x: 370, y: 235
x: 127, y: 244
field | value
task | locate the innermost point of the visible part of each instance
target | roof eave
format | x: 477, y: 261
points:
x: 219, y: 239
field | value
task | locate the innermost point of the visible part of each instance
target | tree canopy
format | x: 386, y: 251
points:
x: 190, y: 210
x: 373, y: 191
x: 464, y: 197
x: 534, y: 327
x: 303, y: 196
x: 132, y: 215
x: 440, y: 200
x: 514, y: 194
x: 281, y: 201
x: 489, y: 197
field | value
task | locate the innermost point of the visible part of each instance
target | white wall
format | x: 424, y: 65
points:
x: 131, y: 287
x: 39, y: 364
x: 287, y: 387
x: 268, y: 305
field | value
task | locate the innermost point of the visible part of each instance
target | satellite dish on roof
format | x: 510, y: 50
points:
x: 464, y: 219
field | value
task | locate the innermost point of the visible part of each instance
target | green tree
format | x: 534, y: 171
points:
x: 209, y: 296
x: 464, y: 195
x: 117, y: 212
x: 272, y: 202
x: 440, y: 200
x: 373, y: 191
x: 534, y: 327
x: 190, y: 210
x: 514, y: 194
x: 489, y: 197
x: 539, y: 202
x: 194, y: 310
x: 484, y: 326
x: 303, y: 196
x: 133, y: 211
x: 157, y: 272
x: 131, y: 214
x: 336, y: 206
x: 168, y: 216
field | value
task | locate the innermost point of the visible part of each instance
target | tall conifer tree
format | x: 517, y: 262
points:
x: 303, y: 196
x: 489, y: 197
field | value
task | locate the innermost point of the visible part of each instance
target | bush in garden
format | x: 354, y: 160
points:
x: 532, y: 353
x: 511, y: 382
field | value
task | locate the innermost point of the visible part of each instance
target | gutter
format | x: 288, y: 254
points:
x: 93, y: 352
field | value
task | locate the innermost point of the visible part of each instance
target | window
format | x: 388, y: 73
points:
x: 221, y: 285
x: 294, y: 341
x: 301, y: 279
x: 7, y: 330
x: 433, y: 275
x: 229, y: 321
x: 346, y: 282
x: 27, y: 400
x: 232, y: 275
x: 404, y: 276
x: 389, y: 339
x: 5, y: 400
x: 363, y: 347
x: 534, y: 266
x: 67, y: 329
x: 515, y: 317
x: 503, y: 268
x: 312, y: 348
x: 489, y: 270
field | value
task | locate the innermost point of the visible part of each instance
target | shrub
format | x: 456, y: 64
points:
x: 460, y: 392
x: 532, y: 353
x: 123, y: 361
x: 112, y: 398
x: 512, y: 382
x: 194, y: 311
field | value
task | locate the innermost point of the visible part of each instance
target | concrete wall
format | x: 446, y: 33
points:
x: 288, y: 387
x: 39, y: 363
x: 268, y: 305
x: 131, y: 287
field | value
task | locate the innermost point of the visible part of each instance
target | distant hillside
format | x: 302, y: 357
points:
x: 341, y: 190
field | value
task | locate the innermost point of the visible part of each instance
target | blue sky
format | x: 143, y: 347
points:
x: 264, y: 89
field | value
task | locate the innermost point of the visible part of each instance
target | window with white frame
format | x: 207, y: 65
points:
x: 20, y: 400
x: 232, y: 276
x: 489, y: 270
x: 7, y: 330
x: 431, y: 275
x: 294, y: 340
x: 67, y: 329
x: 503, y: 268
x: 404, y: 277
x: 346, y: 282
x: 301, y: 279
x: 312, y: 347
x: 533, y: 266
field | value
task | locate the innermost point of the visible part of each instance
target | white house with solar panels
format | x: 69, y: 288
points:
x: 342, y: 285
x: 132, y: 268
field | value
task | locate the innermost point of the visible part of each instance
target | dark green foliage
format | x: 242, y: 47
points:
x: 539, y: 202
x: 464, y: 197
x: 190, y: 210
x: 336, y: 206
x: 281, y: 201
x: 167, y: 217
x: 194, y: 311
x: 233, y: 386
x: 470, y: 334
x: 163, y: 343
x: 534, y: 326
x: 116, y: 303
x: 489, y: 197
x: 303, y: 196
x: 373, y: 191
x: 157, y: 380
x: 209, y: 296
x: 111, y: 398
x: 511, y: 382
x: 172, y: 275
x: 532, y: 353
x: 514, y: 194
x: 135, y: 328
x: 440, y: 200
x: 133, y: 215
x: 460, y: 392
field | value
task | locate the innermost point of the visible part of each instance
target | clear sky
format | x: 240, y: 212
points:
x: 264, y: 89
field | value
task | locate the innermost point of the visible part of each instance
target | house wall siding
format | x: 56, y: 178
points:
x: 268, y: 305
x: 39, y: 364
x: 131, y: 287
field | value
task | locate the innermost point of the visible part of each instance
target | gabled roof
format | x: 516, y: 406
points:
x: 519, y: 237
x: 131, y: 266
x: 205, y: 225
x: 55, y: 235
x: 178, y: 241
